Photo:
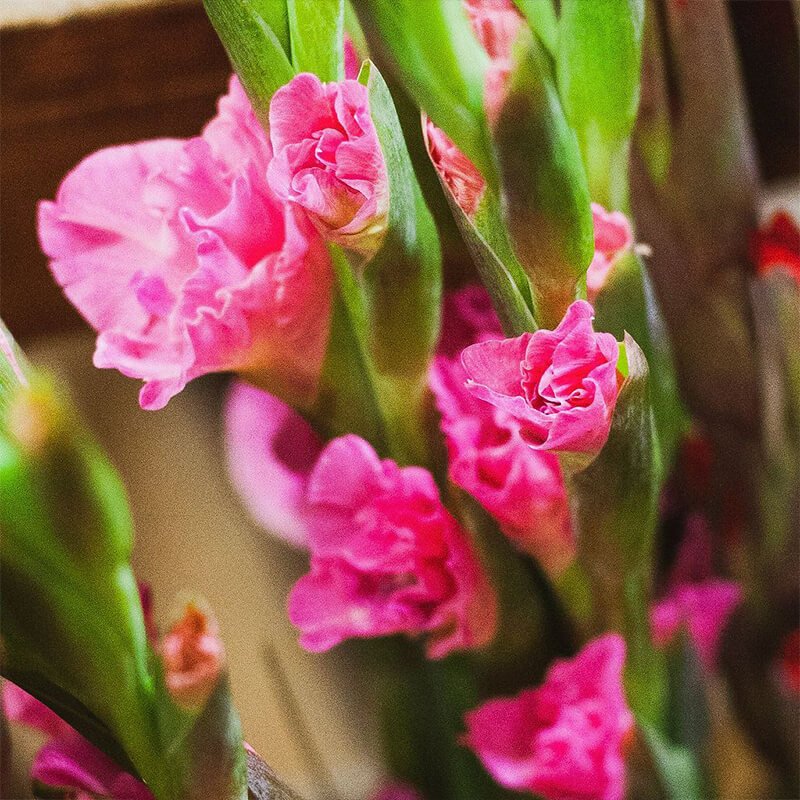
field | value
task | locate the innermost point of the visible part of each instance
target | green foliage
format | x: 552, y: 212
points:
x: 316, y: 28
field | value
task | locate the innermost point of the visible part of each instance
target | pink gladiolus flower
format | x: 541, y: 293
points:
x: 521, y: 487
x: 564, y: 739
x: 328, y: 160
x: 460, y: 175
x: 181, y: 257
x: 386, y: 558
x: 67, y: 760
x: 612, y: 238
x: 561, y: 385
x: 271, y: 450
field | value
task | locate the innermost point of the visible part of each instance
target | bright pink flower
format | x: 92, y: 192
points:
x: 521, y: 487
x: 564, y: 739
x: 703, y: 608
x: 776, y: 246
x: 180, y: 256
x: 386, y: 557
x: 328, y: 159
x: 460, y: 175
x: 561, y: 386
x: 352, y: 61
x: 612, y: 238
x: 67, y: 760
x: 271, y: 450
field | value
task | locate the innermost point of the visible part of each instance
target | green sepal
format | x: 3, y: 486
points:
x: 317, y: 28
x: 543, y: 184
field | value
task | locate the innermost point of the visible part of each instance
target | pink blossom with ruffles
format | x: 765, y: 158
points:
x: 561, y: 386
x: 564, y: 739
x: 521, y: 487
x: 613, y: 237
x: 459, y: 174
x: 271, y: 450
x: 183, y: 259
x: 386, y: 558
x: 328, y: 160
x: 67, y: 760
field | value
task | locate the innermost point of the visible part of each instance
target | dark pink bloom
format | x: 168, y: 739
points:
x: 561, y: 386
x: 271, y: 450
x: 613, y: 237
x: 776, y: 246
x: 521, y: 487
x: 67, y: 760
x: 386, y: 558
x: 328, y: 160
x: 181, y: 257
x: 563, y: 740
x: 460, y: 175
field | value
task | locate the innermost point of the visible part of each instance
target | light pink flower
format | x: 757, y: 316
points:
x: 521, y: 487
x: 180, y: 256
x: 67, y: 760
x: 496, y: 24
x: 460, y: 175
x: 328, y: 160
x: 386, y: 558
x: 561, y: 386
x: 271, y: 450
x: 563, y: 740
x: 613, y: 237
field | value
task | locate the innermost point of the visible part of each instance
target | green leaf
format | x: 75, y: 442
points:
x: 541, y: 16
x: 598, y: 67
x: 543, y: 185
x: 676, y: 767
x: 317, y: 29
x: 255, y: 49
x: 439, y: 62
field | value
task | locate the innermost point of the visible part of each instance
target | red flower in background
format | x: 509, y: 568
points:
x: 777, y: 246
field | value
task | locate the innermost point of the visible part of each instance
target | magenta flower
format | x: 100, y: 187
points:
x: 386, y: 558
x: 328, y: 160
x: 521, y: 487
x: 563, y: 740
x: 271, y: 450
x: 613, y: 237
x: 181, y: 257
x: 67, y: 760
x: 561, y: 386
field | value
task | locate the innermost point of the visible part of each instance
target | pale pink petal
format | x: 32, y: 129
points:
x: 613, y: 236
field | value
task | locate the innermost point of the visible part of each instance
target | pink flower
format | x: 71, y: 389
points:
x: 386, y: 558
x: 460, y: 175
x: 561, y: 386
x: 521, y: 487
x: 181, y: 257
x: 328, y: 160
x: 776, y: 246
x: 563, y: 740
x: 612, y: 238
x: 271, y: 450
x: 67, y: 760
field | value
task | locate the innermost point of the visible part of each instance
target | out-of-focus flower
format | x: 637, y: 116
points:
x: 328, y: 160
x: 460, y: 175
x: 695, y: 600
x: 612, y: 238
x: 521, y: 487
x: 789, y: 662
x: 181, y: 257
x: 496, y: 24
x: 386, y: 557
x: 395, y: 791
x: 563, y: 739
x: 271, y: 450
x: 776, y: 246
x: 67, y: 760
x: 193, y: 658
x: 561, y: 386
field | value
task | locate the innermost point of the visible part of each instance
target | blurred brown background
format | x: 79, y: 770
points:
x: 86, y: 77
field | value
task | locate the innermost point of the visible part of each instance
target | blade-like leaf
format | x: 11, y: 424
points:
x: 541, y: 16
x: 543, y: 185
x: 676, y: 767
x: 317, y: 29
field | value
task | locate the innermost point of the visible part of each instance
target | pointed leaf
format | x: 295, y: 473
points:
x: 317, y: 30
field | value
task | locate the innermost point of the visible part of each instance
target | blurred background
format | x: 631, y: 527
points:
x: 78, y: 75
